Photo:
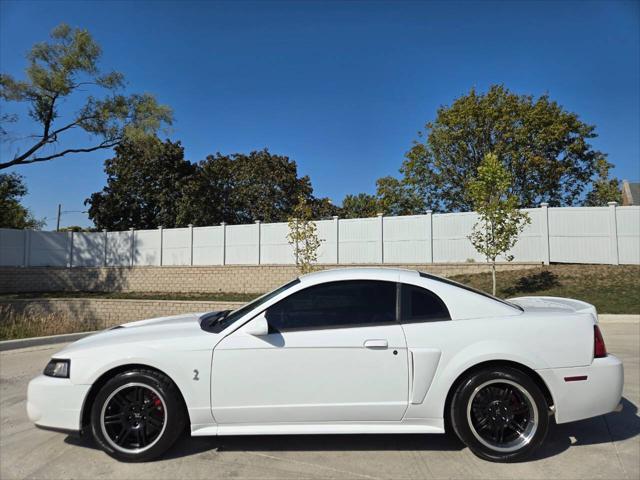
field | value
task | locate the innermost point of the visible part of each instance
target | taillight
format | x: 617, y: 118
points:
x: 599, y: 348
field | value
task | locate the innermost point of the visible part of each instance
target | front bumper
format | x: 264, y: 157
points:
x: 598, y: 394
x: 55, y: 403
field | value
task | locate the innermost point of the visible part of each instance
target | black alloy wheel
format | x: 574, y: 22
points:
x: 133, y: 418
x: 137, y: 415
x: 500, y: 413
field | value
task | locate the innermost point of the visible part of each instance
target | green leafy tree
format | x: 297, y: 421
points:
x: 146, y: 184
x: 322, y: 208
x: 605, y: 189
x: 394, y: 198
x: 544, y: 148
x: 241, y: 188
x: 500, y: 222
x: 362, y: 205
x: 391, y: 198
x: 67, y: 66
x: 12, y: 213
x: 303, y: 236
x: 77, y: 228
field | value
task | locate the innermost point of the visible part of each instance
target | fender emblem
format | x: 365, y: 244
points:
x: 195, y: 375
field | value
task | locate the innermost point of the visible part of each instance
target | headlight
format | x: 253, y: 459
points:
x: 57, y: 368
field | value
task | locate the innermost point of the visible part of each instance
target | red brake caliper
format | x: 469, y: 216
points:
x: 157, y: 403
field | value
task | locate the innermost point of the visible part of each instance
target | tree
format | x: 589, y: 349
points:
x: 604, y: 189
x: 500, y: 222
x: 361, y: 205
x: 544, y: 148
x: 322, y: 208
x: 150, y: 184
x: 241, y: 188
x: 303, y: 236
x: 77, y: 228
x: 12, y: 213
x: 146, y: 183
x: 391, y: 198
x: 394, y: 198
x: 66, y: 66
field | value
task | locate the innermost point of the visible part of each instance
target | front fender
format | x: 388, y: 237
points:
x: 189, y: 370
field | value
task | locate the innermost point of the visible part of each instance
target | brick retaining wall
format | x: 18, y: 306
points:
x: 108, y: 312
x: 209, y: 279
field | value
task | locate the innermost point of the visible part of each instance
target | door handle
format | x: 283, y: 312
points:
x: 376, y: 344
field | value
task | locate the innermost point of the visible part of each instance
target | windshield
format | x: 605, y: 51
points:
x: 217, y: 321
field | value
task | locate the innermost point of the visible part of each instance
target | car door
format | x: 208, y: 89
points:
x: 334, y: 352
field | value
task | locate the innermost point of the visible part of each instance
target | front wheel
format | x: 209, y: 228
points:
x: 137, y: 415
x: 500, y: 414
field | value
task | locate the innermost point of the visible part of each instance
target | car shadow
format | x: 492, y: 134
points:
x: 603, y: 429
x: 187, y: 446
x: 317, y: 443
x: 616, y: 426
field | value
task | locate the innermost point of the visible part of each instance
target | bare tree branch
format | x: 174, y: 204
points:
x: 20, y: 161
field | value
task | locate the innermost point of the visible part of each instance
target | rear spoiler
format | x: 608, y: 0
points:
x: 556, y: 303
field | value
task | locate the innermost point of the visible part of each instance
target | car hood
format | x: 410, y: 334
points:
x: 185, y: 320
x: 153, y: 331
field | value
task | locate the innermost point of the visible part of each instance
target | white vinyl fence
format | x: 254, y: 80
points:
x: 606, y: 235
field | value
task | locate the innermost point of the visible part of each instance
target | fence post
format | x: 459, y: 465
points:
x: 613, y: 234
x: 132, y: 246
x: 381, y: 237
x: 26, y: 259
x: 161, y: 234
x: 336, y: 223
x: 191, y: 244
x: 224, y: 242
x: 430, y: 235
x: 546, y: 250
x: 296, y: 246
x: 106, y: 238
x: 258, y: 223
x: 70, y: 249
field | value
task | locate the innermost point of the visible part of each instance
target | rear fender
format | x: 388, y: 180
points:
x: 451, y: 369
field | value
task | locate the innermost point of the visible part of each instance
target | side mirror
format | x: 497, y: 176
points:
x: 257, y: 327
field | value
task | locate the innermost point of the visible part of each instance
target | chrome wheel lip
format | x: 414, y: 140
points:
x: 524, y: 438
x: 104, y: 409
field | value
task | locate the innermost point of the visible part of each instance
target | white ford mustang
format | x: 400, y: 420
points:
x: 360, y: 350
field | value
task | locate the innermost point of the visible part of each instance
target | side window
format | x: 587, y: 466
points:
x: 334, y: 305
x: 421, y: 305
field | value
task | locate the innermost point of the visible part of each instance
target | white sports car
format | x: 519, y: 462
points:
x: 359, y: 350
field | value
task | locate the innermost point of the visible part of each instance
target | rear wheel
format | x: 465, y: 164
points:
x: 500, y: 414
x: 137, y: 415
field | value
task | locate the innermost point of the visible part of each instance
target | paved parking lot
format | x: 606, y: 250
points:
x: 604, y: 447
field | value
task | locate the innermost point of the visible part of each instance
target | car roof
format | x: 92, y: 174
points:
x: 388, y: 273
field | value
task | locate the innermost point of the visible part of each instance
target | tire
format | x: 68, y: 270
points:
x: 500, y: 414
x: 137, y: 415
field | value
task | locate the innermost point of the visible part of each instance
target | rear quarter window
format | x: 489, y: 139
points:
x: 421, y: 305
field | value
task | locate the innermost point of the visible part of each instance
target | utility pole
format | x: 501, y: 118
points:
x: 59, y: 213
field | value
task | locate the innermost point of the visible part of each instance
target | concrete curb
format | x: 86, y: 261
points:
x: 619, y: 318
x: 37, y: 341
x: 72, y: 337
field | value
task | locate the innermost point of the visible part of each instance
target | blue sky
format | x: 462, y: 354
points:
x: 340, y: 87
